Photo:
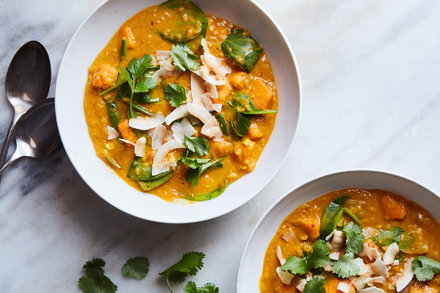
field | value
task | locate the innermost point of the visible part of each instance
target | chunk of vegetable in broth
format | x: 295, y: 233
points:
x: 113, y: 114
x: 140, y: 170
x: 242, y: 48
x: 149, y: 185
x: 190, y: 22
x: 208, y: 196
x: 332, y: 215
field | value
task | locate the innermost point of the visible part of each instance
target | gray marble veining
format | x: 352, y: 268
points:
x: 370, y: 72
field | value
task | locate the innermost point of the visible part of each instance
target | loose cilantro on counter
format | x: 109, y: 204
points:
x: 345, y: 266
x: 137, y: 267
x: 184, y: 58
x: 315, y: 285
x: 191, y: 287
x: 425, y: 268
x: 95, y: 280
x: 190, y: 264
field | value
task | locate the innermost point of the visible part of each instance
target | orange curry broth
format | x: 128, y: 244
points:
x: 239, y: 158
x: 366, y: 205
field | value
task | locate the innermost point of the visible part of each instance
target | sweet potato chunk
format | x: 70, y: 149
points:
x: 254, y: 131
x: 261, y: 94
x: 311, y: 226
x: 104, y: 76
x: 126, y: 131
x: 128, y: 35
x: 243, y: 151
x: 331, y: 286
x: 240, y: 80
x: 422, y: 289
x: 221, y: 148
x: 223, y: 94
x: 392, y: 208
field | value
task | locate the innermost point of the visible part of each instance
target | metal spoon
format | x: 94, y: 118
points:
x: 36, y: 135
x: 27, y: 83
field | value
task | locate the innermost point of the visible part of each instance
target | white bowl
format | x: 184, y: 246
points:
x: 251, y: 264
x: 93, y: 35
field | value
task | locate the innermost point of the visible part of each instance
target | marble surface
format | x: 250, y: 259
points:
x: 370, y: 73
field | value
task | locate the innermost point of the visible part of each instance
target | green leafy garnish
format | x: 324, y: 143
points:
x: 175, y: 94
x: 295, y: 265
x: 352, y: 215
x: 345, y: 266
x: 241, y: 124
x: 119, y: 81
x: 355, y: 239
x: 112, y: 161
x: 197, y: 167
x: 184, y: 58
x: 223, y: 125
x: 198, y: 145
x: 207, y: 196
x: 158, y: 181
x: 190, y: 264
x: 191, y: 287
x: 141, y: 109
x: 387, y: 237
x: 242, y: 48
x: 425, y: 268
x: 123, y: 48
x: 315, y: 285
x: 95, y: 281
x: 113, y: 114
x: 145, y: 84
x: 319, y: 256
x: 136, y: 268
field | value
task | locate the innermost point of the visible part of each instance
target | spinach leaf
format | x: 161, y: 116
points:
x: 332, y: 215
x: 207, y: 196
x: 152, y: 184
x: 140, y: 170
x: 184, y: 58
x: 242, y: 48
x: 175, y: 94
x: 113, y: 114
x: 241, y: 124
x: 144, y: 98
x: 387, y: 237
x: 244, y: 105
x: 198, y: 145
x: 192, y: 27
x: 197, y: 167
x: 223, y: 125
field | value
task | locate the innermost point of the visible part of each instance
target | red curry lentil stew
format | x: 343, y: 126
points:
x: 354, y: 240
x: 180, y: 103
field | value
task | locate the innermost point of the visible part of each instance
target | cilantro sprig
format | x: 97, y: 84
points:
x: 199, y: 166
x: 387, y: 237
x: 136, y: 268
x: 184, y: 58
x: 175, y: 94
x: 425, y: 268
x: 355, y: 239
x: 190, y: 264
x: 191, y: 287
x: 345, y: 266
x: 197, y: 145
x: 94, y: 279
x: 315, y: 285
x: 316, y: 260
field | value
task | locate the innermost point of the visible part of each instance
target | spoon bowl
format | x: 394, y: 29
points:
x: 27, y: 83
x: 36, y: 134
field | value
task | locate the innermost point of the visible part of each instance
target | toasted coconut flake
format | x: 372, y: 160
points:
x: 285, y: 277
x: 390, y: 253
x: 330, y: 235
x: 369, y: 232
x: 406, y: 276
x: 199, y: 112
x: 181, y: 129
x: 371, y: 252
x: 159, y: 163
x: 127, y: 141
x: 111, y: 133
x: 212, y: 128
x: 145, y: 123
x: 380, y: 280
x: 162, y: 55
x: 177, y: 113
x: 338, y: 240
x: 301, y: 285
x: 371, y: 290
x: 288, y: 236
x: 280, y: 255
x: 158, y: 136
x: 379, y: 268
x: 334, y: 255
x: 139, y: 148
x: 344, y: 286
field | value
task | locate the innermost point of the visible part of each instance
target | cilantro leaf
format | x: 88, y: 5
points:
x: 198, y: 145
x: 190, y: 264
x: 198, y: 166
x: 145, y: 84
x: 137, y: 268
x: 175, y: 94
x: 355, y: 239
x: 95, y: 280
x: 137, y: 67
x: 294, y: 265
x: 345, y: 266
x: 425, y: 268
x: 315, y: 285
x: 319, y: 257
x: 387, y: 237
x: 184, y: 58
x: 191, y: 287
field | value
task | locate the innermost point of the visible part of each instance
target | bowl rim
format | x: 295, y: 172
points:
x: 226, y: 210
x: 309, y: 182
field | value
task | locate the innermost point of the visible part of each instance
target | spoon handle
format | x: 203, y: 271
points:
x: 7, y: 142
